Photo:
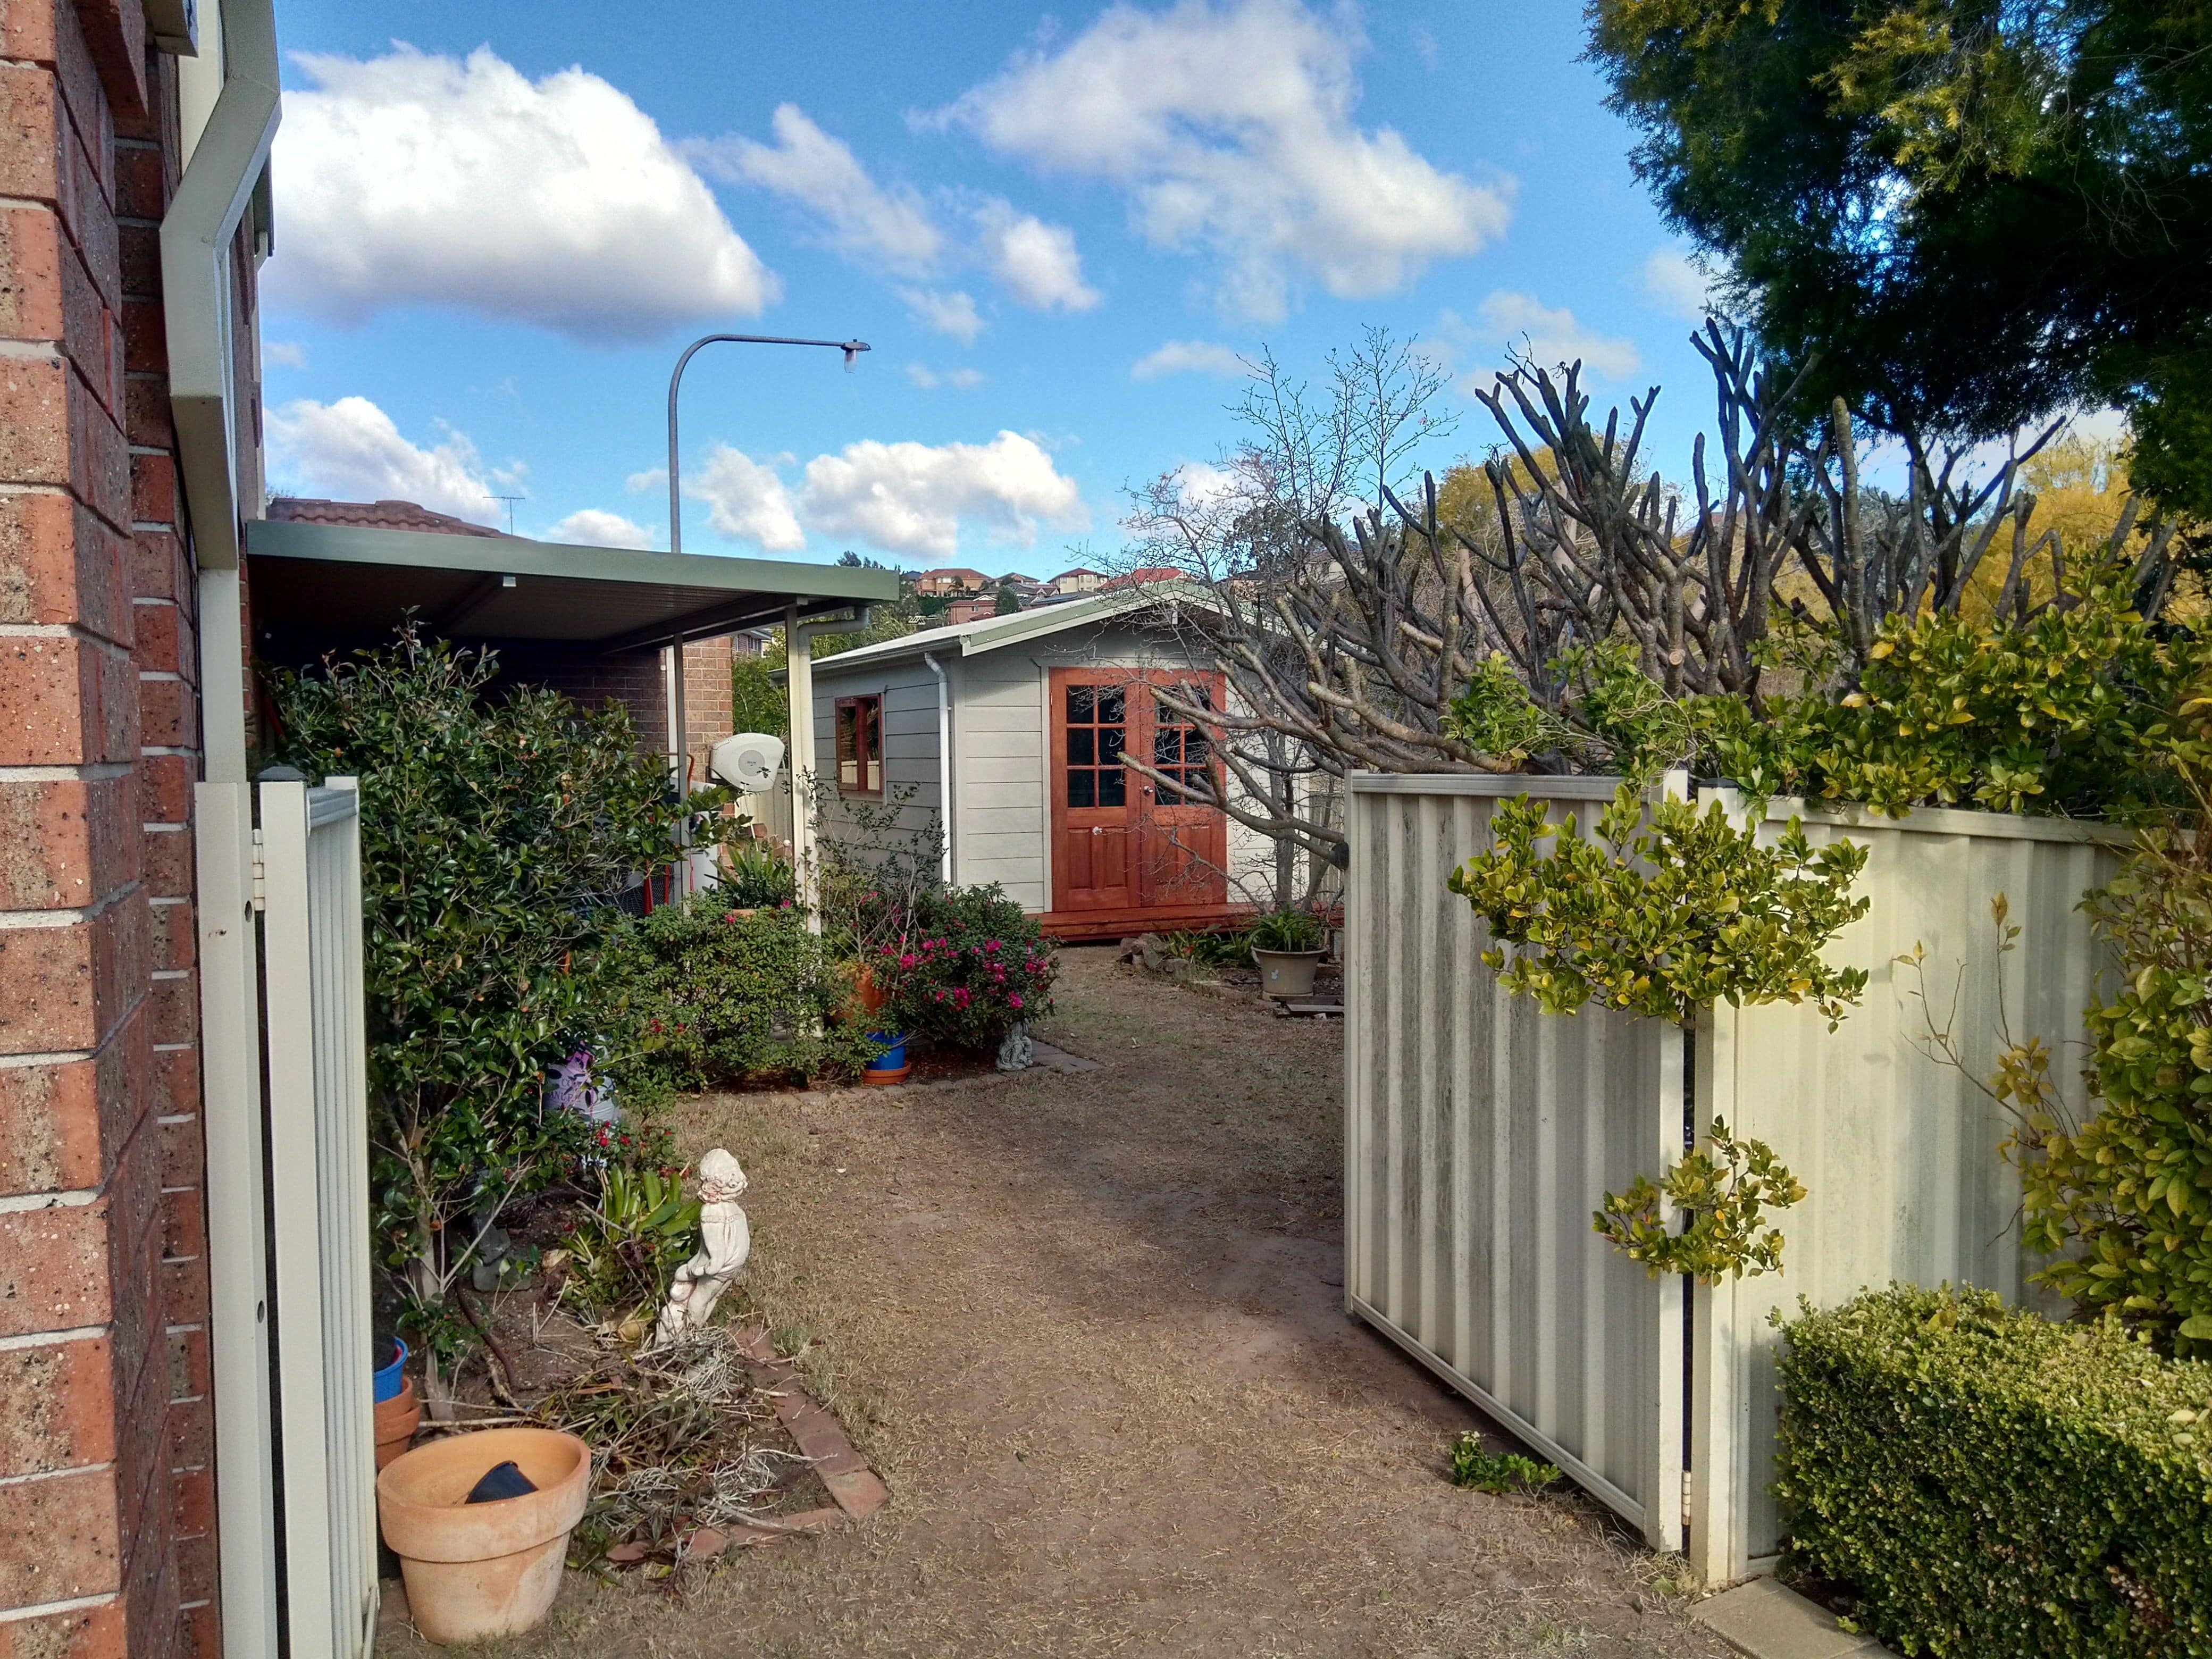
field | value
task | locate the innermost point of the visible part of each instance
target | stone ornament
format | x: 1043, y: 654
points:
x: 724, y: 1241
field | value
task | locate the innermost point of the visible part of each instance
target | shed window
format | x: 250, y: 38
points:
x: 860, y: 745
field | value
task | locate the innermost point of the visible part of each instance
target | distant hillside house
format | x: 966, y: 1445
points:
x: 972, y: 608
x: 1078, y: 580
x: 951, y: 579
x: 1149, y: 576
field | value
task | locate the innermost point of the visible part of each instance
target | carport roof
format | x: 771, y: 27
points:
x: 328, y: 578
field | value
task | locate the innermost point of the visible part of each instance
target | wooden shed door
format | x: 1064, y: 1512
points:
x: 1093, y: 805
x: 1119, y: 842
x: 1182, y: 849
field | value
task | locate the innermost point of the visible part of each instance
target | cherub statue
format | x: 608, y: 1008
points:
x: 724, y: 1241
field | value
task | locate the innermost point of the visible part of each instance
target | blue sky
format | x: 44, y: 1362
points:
x: 1055, y: 228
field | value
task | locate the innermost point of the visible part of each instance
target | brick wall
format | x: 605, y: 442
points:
x: 707, y: 700
x: 105, y: 1425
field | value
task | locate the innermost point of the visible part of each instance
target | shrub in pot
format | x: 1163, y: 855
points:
x: 1287, y: 945
x: 965, y: 968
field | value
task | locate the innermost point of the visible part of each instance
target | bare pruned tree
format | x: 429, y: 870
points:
x: 1346, y: 614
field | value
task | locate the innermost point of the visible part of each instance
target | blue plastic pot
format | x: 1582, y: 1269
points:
x: 388, y: 1377
x: 893, y: 1059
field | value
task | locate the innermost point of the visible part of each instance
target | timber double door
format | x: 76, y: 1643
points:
x: 1120, y: 841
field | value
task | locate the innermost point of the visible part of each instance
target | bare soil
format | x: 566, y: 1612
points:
x: 1089, y: 1328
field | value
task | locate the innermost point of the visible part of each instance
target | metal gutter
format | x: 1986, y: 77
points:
x: 219, y: 184
x: 996, y: 633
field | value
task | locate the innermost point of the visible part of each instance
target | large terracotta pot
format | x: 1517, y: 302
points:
x: 397, y: 1419
x: 866, y: 991
x: 475, y: 1570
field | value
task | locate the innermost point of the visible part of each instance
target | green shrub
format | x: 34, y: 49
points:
x: 754, y: 879
x: 1289, y: 930
x: 625, y: 1249
x: 496, y: 838
x: 1229, y: 950
x: 965, y: 968
x: 735, y: 996
x: 1475, y: 1465
x: 1990, y: 1483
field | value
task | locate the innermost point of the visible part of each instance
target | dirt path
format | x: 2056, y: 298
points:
x: 1090, y: 1329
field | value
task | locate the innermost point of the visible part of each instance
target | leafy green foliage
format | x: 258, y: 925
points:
x: 753, y: 877
x: 1288, y: 930
x: 965, y: 968
x: 496, y: 839
x: 1496, y: 716
x: 1726, y: 1187
x: 624, y: 1252
x: 1475, y: 1465
x: 1660, y: 917
x: 735, y: 997
x: 1232, y: 949
x: 1960, y: 214
x: 758, y: 701
x: 1989, y: 1482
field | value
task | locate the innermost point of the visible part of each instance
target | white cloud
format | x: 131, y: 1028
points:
x: 416, y: 179
x: 807, y: 166
x: 653, y: 477
x: 747, y: 499
x: 285, y: 353
x: 1554, y: 337
x: 1200, y: 482
x: 914, y: 498
x: 1187, y: 357
x: 1677, y: 285
x: 592, y: 526
x: 351, y: 451
x: 1036, y: 263
x: 961, y: 380
x: 1230, y: 126
x: 951, y: 313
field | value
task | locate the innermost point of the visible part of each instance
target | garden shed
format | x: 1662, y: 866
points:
x: 1008, y: 731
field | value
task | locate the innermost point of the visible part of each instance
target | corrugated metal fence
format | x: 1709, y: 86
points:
x: 1481, y: 1134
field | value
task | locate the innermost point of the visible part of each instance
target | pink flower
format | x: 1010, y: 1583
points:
x: 1015, y: 1000
x: 909, y: 960
x: 990, y: 944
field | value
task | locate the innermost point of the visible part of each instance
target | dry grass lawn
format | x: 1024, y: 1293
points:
x: 1090, y: 1329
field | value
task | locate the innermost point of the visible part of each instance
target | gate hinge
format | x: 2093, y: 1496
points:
x: 260, y: 876
x: 1686, y: 1497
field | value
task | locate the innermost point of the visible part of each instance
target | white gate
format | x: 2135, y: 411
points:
x: 317, y: 1117
x: 1480, y: 1134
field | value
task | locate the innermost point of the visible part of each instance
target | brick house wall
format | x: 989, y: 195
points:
x: 708, y: 700
x: 106, y: 1429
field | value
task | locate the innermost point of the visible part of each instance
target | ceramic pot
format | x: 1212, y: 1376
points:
x: 890, y: 1065
x: 477, y: 1571
x: 866, y: 991
x: 1286, y: 973
x: 397, y: 1419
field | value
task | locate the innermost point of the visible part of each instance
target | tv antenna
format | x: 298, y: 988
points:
x: 510, y: 500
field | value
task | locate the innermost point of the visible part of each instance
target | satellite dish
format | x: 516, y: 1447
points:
x: 749, y: 761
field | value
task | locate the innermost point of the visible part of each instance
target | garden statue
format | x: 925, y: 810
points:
x: 724, y: 1241
x: 1017, y: 1050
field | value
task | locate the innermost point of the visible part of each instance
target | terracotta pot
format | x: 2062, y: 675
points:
x: 867, y: 991
x: 475, y: 1570
x: 885, y: 1079
x: 397, y: 1419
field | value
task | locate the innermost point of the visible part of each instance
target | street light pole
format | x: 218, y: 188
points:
x: 852, y: 348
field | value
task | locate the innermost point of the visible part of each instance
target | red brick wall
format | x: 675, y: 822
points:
x: 708, y: 700
x: 104, y: 1372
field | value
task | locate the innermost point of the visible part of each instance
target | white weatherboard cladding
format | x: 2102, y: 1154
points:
x: 1481, y: 1134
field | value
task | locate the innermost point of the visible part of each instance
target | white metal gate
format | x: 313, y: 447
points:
x: 317, y: 1117
x: 1479, y: 1135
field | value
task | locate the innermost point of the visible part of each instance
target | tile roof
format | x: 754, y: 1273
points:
x: 375, y: 515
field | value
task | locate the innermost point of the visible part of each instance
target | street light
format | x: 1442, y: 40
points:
x: 852, y: 348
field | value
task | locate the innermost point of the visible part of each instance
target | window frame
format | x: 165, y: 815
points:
x: 866, y: 710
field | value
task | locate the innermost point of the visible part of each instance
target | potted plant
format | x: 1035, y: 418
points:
x: 1287, y: 945
x: 476, y: 1566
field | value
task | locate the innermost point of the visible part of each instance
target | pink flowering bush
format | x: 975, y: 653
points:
x: 965, y: 968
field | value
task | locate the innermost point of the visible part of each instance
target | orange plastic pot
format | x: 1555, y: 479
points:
x: 397, y: 1419
x: 477, y: 1571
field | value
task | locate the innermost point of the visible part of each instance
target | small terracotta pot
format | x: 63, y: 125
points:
x: 397, y: 1419
x: 475, y: 1571
x: 885, y: 1080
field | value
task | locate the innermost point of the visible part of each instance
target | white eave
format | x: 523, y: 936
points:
x: 985, y: 634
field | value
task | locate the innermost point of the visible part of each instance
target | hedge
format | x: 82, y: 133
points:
x: 1991, y: 1483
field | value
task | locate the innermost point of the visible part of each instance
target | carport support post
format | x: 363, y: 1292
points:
x: 798, y: 688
